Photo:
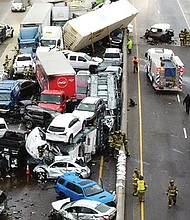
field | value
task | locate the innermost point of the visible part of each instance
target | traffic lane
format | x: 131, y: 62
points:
x: 151, y: 102
x: 165, y: 149
x: 132, y: 204
x: 151, y: 12
x: 4, y: 9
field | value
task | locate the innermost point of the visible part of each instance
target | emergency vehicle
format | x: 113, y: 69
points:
x: 164, y: 69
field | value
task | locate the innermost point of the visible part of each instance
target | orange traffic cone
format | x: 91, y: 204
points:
x: 27, y: 169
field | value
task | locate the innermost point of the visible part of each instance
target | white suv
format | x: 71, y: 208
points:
x: 113, y: 54
x: 81, y: 61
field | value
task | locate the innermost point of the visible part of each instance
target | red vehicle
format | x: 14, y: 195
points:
x: 57, y: 80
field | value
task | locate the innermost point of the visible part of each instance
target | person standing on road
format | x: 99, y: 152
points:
x: 129, y: 46
x: 135, y: 179
x: 182, y: 38
x: 186, y: 101
x: 172, y: 193
x: 141, y: 188
x: 111, y: 144
x: 135, y: 64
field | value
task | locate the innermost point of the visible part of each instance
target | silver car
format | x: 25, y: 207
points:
x: 61, y: 166
x: 81, y: 209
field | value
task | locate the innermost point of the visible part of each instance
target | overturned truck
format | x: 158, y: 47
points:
x: 95, y: 25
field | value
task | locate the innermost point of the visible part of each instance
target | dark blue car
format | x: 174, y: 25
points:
x: 72, y: 186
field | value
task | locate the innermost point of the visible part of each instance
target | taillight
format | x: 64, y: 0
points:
x: 103, y: 218
x: 157, y: 69
x: 181, y: 70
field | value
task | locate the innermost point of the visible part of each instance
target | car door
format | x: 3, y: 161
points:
x: 73, y: 61
x: 87, y: 213
x: 82, y: 63
x: 75, y: 126
x: 71, y: 213
x: 71, y: 167
x: 8, y: 30
x: 73, y: 191
x: 57, y: 169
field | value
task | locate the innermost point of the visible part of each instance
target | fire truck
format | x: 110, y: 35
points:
x: 164, y: 69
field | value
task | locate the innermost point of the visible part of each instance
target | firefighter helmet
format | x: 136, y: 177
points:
x: 171, y: 181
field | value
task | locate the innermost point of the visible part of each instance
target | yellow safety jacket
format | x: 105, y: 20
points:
x: 141, y: 185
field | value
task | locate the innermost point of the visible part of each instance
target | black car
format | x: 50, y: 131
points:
x: 160, y: 33
x: 116, y: 38
x: 34, y: 115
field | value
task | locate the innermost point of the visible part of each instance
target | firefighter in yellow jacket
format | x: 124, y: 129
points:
x: 111, y: 143
x: 118, y: 142
x: 172, y: 193
x: 135, y: 179
x: 141, y: 188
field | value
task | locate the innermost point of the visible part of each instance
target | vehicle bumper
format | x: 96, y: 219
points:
x: 56, y: 138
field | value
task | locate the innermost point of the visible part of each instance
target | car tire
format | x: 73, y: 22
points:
x: 70, y: 141
x: 28, y: 124
x: 55, y: 216
x: 12, y: 34
x: 62, y: 195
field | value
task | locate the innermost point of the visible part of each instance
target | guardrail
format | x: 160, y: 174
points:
x: 121, y: 165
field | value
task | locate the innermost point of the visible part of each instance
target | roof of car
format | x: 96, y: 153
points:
x: 90, y: 100
x: 73, y: 177
x: 161, y: 26
x: 112, y: 50
x: 86, y: 203
x: 62, y: 119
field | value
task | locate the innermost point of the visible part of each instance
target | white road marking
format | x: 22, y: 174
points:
x: 183, y: 14
x: 178, y: 98
x: 158, y: 12
x: 177, y: 151
x: 185, y: 132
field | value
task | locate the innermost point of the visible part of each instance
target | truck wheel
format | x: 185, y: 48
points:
x: 29, y: 124
x: 71, y: 139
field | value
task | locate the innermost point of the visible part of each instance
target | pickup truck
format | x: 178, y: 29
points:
x: 81, y: 61
x: 5, y: 31
x: 21, y: 61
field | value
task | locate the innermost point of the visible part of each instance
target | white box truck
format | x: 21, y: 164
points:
x: 95, y: 25
x: 52, y: 39
x: 32, y: 25
x: 39, y: 15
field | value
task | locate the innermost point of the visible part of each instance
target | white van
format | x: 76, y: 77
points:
x: 3, y: 127
x: 19, y: 5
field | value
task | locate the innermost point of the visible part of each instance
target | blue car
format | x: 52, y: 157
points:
x: 72, y: 186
